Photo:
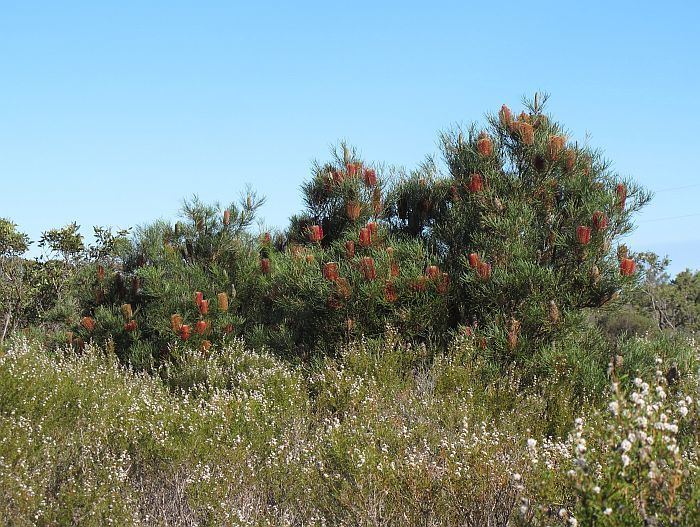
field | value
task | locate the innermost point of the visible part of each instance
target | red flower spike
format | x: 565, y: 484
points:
x: 583, y: 234
x: 350, y: 249
x: 627, y: 267
x: 394, y: 269
x: 390, y: 294
x: 506, y: 117
x: 88, y: 323
x: 621, y: 192
x: 600, y: 220
x: 200, y: 327
x: 433, y: 271
x: 330, y: 271
x: 476, y: 183
x: 315, y: 233
x: 443, y: 284
x: 353, y: 209
x: 370, y: 177
x: 484, y: 145
x: 365, y: 237
x: 483, y: 269
x: 368, y: 269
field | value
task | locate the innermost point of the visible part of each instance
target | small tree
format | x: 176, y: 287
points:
x: 14, y: 289
x: 527, y: 220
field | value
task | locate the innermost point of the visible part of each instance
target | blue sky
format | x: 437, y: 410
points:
x: 111, y: 113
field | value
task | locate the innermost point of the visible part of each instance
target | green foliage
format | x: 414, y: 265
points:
x: 386, y: 432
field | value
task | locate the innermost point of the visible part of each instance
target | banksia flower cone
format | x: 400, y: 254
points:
x: 353, y: 210
x: 368, y: 269
x: 330, y: 271
x: 370, y: 177
x: 390, y: 294
x: 443, y: 283
x: 506, y: 117
x: 433, y: 271
x: 476, y: 183
x: 176, y: 322
x: 315, y: 233
x: 222, y: 300
x: 343, y: 288
x: 555, y: 146
x: 600, y: 220
x: 365, y: 237
x: 627, y: 267
x: 377, y: 201
x: 484, y: 145
x: 513, y: 333
x: 483, y: 269
x: 127, y: 312
x: 526, y: 132
x: 553, y: 312
x: 583, y: 234
x: 88, y: 323
x: 350, y: 249
x: 621, y: 192
x: 394, y: 269
x: 569, y: 160
x: 200, y: 327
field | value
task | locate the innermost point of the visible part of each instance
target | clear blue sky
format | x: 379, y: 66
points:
x: 112, y: 112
